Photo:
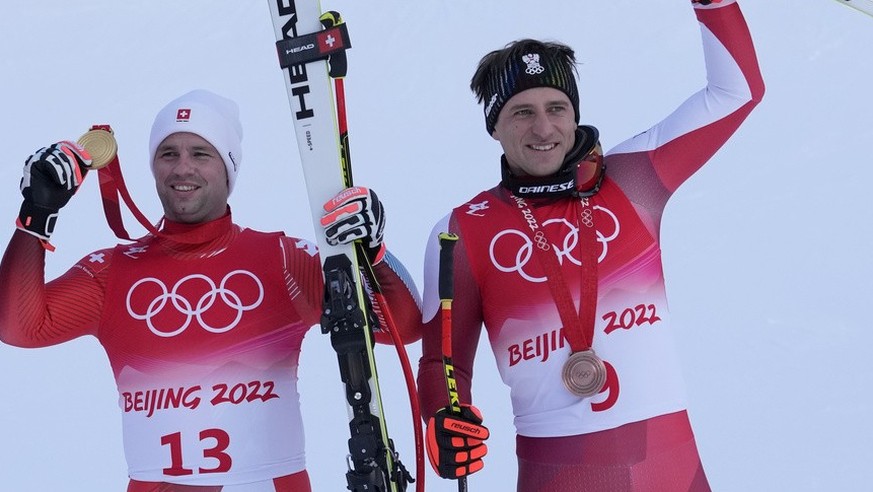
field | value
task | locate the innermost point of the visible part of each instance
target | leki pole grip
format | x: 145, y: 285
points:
x: 446, y: 293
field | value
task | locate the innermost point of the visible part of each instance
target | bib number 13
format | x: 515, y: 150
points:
x: 214, y: 443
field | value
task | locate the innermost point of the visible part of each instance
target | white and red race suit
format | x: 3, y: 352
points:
x: 499, y: 283
x: 203, y: 335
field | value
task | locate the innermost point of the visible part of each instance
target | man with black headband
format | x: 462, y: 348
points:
x: 561, y: 263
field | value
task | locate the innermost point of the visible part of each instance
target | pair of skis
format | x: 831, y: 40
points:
x: 312, y: 53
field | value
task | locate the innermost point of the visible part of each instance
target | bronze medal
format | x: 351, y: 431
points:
x: 584, y: 374
x: 101, y: 145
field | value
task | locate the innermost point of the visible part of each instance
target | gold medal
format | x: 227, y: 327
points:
x: 101, y: 145
x: 584, y: 374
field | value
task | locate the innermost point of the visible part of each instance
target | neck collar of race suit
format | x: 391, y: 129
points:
x: 183, y: 236
x: 564, y: 181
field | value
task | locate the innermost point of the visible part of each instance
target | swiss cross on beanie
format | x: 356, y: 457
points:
x: 212, y: 117
x: 526, y: 70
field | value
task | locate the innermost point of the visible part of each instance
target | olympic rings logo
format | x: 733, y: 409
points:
x: 532, y: 60
x: 190, y: 310
x: 562, y: 251
x: 542, y: 241
x: 588, y: 217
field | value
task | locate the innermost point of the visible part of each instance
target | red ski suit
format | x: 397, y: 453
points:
x: 203, y: 336
x: 634, y: 434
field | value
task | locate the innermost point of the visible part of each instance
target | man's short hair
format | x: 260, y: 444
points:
x: 521, y: 65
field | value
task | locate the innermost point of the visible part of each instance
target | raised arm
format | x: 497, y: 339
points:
x: 679, y: 145
x: 33, y: 314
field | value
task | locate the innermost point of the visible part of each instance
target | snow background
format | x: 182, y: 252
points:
x: 765, y: 248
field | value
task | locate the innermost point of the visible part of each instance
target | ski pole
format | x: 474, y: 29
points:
x: 446, y: 292
x: 338, y: 66
x: 387, y: 321
x: 310, y: 55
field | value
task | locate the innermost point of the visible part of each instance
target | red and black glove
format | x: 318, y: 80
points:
x: 52, y: 176
x: 356, y: 214
x: 455, y: 444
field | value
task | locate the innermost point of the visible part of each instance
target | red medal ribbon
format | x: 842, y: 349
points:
x: 578, y: 325
x: 113, y: 191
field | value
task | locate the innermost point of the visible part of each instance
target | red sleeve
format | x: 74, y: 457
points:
x: 402, y: 299
x: 305, y: 282
x: 35, y: 314
x: 303, y: 277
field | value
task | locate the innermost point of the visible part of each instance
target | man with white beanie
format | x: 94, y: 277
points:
x: 202, y: 322
x: 208, y: 115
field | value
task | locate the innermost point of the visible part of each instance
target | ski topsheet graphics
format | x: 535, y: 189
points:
x: 304, y: 48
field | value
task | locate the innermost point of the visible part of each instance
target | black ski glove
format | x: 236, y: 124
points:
x: 52, y: 176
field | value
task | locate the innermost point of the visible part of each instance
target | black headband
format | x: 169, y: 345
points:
x: 534, y: 68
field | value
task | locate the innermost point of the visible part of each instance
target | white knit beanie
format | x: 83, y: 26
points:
x: 212, y: 117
